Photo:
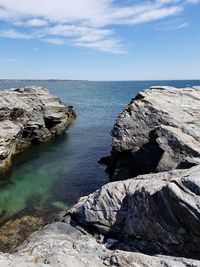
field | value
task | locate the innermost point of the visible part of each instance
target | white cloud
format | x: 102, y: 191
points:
x: 13, y: 34
x: 55, y: 41
x: 193, y: 1
x: 87, y: 23
x: 32, y: 23
x: 8, y: 60
x: 172, y: 25
x: 74, y: 30
x: 111, y: 45
x: 154, y: 14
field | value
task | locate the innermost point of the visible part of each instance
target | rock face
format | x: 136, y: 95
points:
x: 62, y: 245
x: 154, y: 213
x: 28, y: 116
x: 158, y: 131
x: 157, y: 136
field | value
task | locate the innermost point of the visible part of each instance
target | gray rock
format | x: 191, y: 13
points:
x: 158, y: 131
x: 61, y: 245
x: 157, y: 213
x: 154, y: 213
x: 28, y: 116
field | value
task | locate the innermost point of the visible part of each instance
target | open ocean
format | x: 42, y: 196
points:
x: 52, y: 176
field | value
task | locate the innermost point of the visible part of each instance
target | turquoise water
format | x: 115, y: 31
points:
x: 52, y: 176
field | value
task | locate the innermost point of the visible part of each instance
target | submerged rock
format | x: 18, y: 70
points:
x: 29, y: 115
x: 16, y: 230
x: 154, y: 213
x: 158, y: 131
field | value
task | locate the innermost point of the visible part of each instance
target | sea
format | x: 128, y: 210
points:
x: 51, y: 177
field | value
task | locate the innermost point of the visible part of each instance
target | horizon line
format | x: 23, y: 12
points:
x: 87, y: 80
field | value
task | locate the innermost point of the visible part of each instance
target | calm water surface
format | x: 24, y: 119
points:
x: 52, y: 176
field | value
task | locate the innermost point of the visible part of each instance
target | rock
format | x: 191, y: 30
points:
x: 62, y: 245
x: 27, y: 116
x: 158, y: 131
x: 16, y: 230
x: 154, y: 213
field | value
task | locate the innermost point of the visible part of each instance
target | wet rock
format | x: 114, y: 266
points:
x: 27, y: 116
x: 16, y: 230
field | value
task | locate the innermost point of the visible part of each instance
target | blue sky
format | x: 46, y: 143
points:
x: 100, y: 39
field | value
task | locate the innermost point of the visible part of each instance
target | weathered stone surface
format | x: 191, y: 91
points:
x: 28, y: 116
x: 155, y: 213
x: 158, y: 131
x: 62, y: 245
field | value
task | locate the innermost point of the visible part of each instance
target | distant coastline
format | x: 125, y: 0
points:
x: 40, y: 80
x: 82, y: 80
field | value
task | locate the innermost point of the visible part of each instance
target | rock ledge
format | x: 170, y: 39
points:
x: 27, y: 116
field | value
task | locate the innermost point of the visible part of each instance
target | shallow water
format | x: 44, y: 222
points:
x: 52, y: 176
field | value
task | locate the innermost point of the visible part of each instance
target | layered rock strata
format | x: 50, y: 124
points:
x: 156, y: 213
x: 158, y: 131
x: 62, y: 245
x: 153, y: 213
x: 29, y: 116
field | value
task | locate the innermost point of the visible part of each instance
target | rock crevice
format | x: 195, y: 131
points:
x: 156, y: 212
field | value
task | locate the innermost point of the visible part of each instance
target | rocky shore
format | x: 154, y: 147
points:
x: 27, y: 116
x: 158, y: 131
x: 150, y: 215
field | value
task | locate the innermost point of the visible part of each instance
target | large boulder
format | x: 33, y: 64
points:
x: 154, y: 213
x: 158, y: 131
x: 28, y: 116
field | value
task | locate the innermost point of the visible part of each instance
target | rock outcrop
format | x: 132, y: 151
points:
x: 153, y: 213
x: 156, y: 213
x: 158, y: 131
x: 62, y: 245
x: 28, y: 116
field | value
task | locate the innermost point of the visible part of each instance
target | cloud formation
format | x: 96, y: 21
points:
x: 173, y: 25
x: 86, y: 23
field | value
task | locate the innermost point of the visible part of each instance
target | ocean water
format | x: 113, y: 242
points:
x: 50, y: 177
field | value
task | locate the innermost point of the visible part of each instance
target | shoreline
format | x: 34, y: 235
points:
x: 131, y: 219
x: 71, y: 80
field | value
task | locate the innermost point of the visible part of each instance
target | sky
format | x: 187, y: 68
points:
x: 100, y: 39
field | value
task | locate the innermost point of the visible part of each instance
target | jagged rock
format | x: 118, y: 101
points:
x: 28, y: 116
x: 62, y: 245
x: 154, y: 213
x: 158, y: 131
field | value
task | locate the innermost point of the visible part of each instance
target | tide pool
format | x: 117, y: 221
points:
x: 50, y: 177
